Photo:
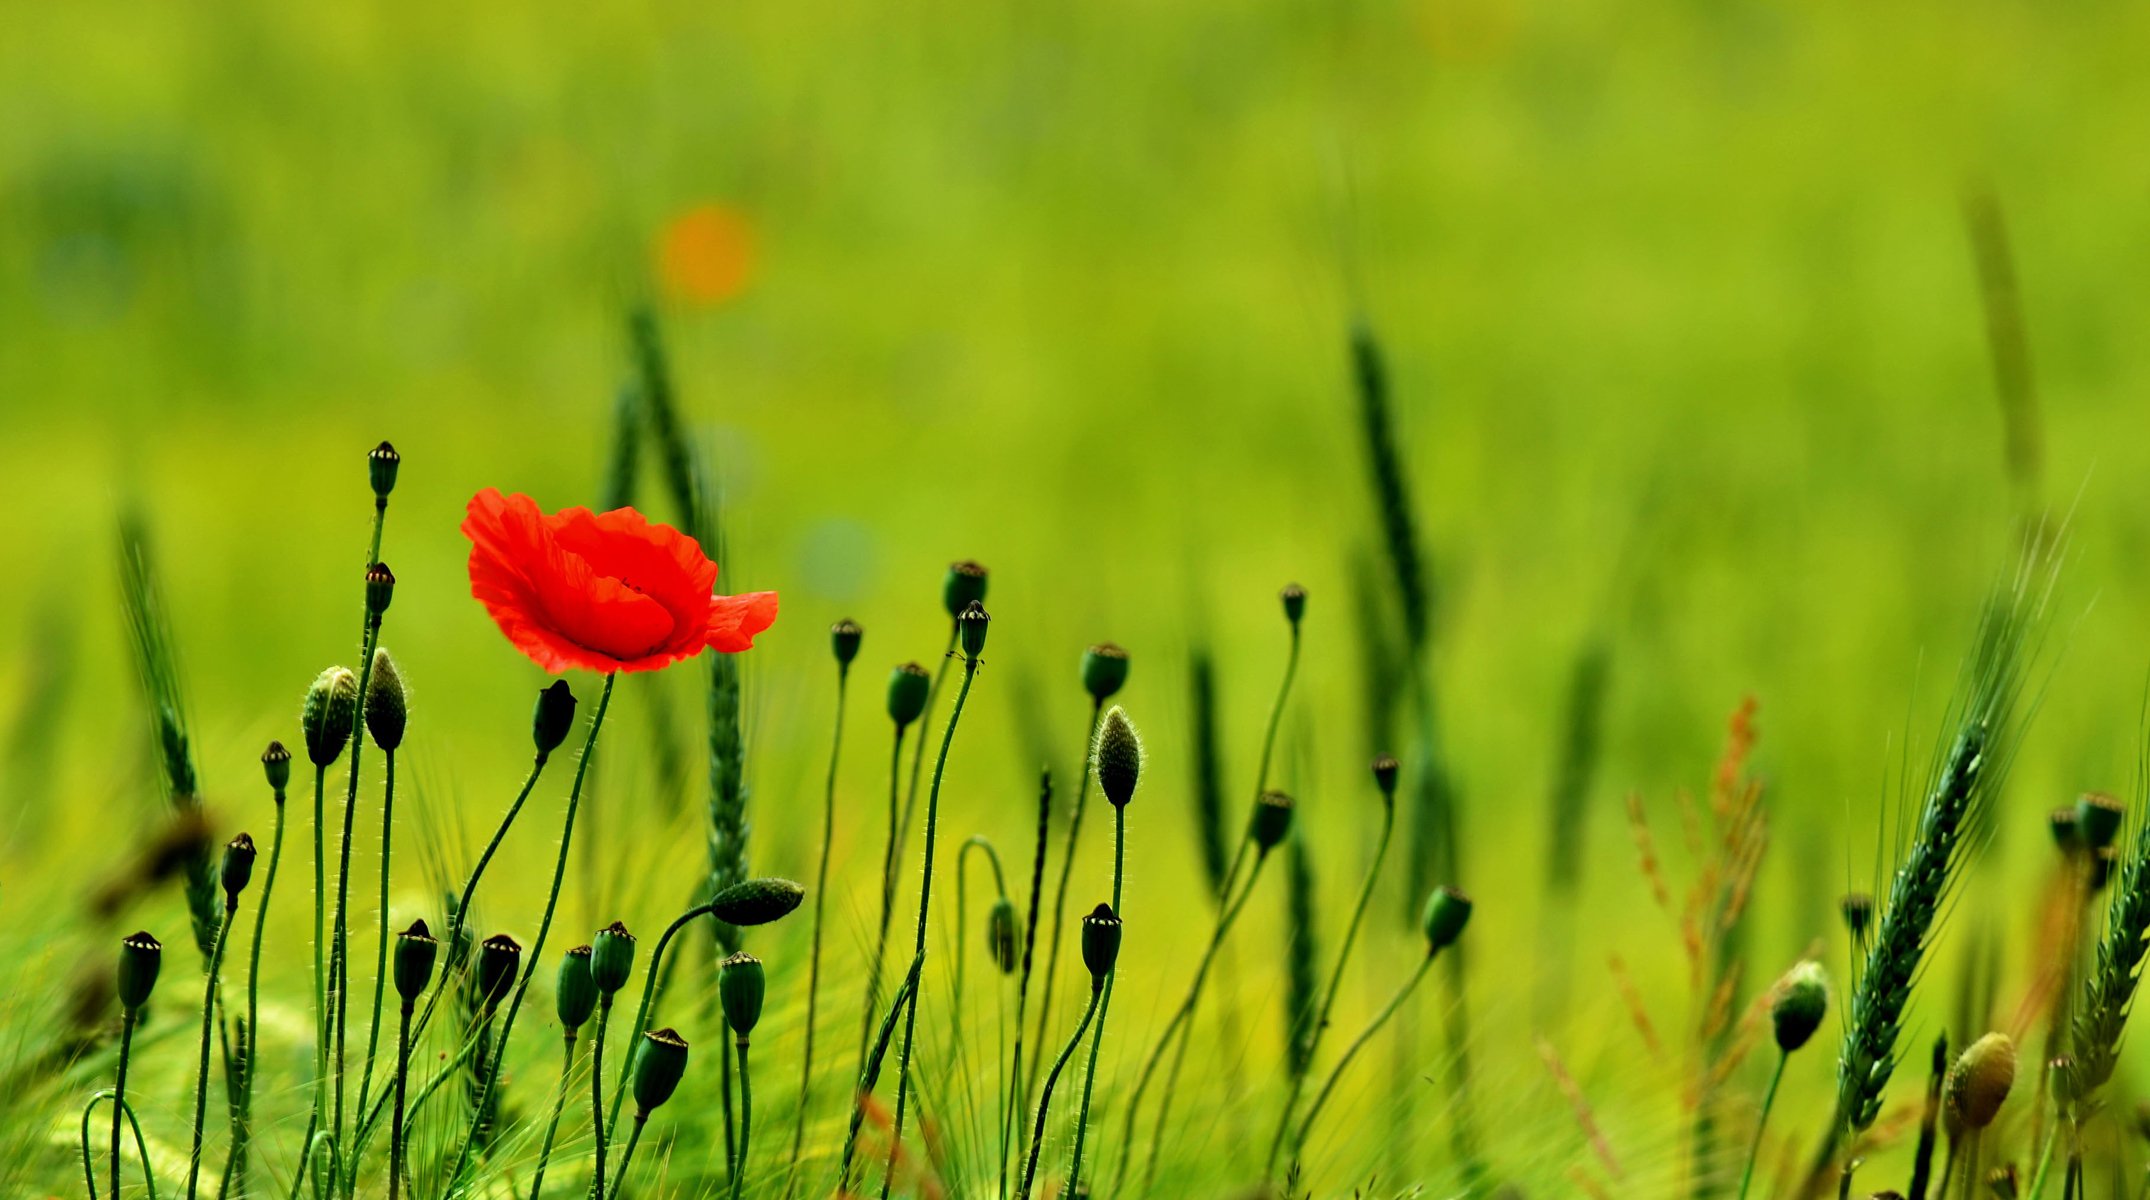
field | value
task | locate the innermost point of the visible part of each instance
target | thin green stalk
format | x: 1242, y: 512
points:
x: 649, y: 989
x: 821, y: 890
x: 1019, y: 1103
x: 976, y: 841
x: 1269, y: 745
x: 321, y: 1024
x: 1060, y: 890
x: 141, y: 1149
x: 1337, y: 1072
x: 1045, y: 1097
x: 119, y: 1092
x: 559, y: 1102
x: 1104, y: 1006
x: 888, y: 893
x: 634, y: 1138
x: 403, y: 1071
x: 870, y: 1073
x: 597, y: 1095
x: 918, y: 752
x: 1769, y: 1098
x: 2045, y: 1161
x: 746, y: 1123
x: 339, y: 952
x: 201, y: 1080
x: 242, y: 1131
x: 380, y: 960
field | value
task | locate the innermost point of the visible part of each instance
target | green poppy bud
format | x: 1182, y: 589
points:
x: 380, y: 589
x: 1271, y: 821
x: 1117, y: 757
x: 387, y: 705
x: 1447, y: 912
x: 1978, y: 1084
x: 844, y: 638
x: 659, y: 1063
x: 276, y: 766
x: 1000, y: 935
x: 964, y: 586
x: 2098, y: 818
x: 330, y: 710
x: 612, y: 958
x: 908, y: 687
x: 740, y: 986
x: 381, y: 467
x: 1802, y: 1000
x: 970, y: 630
x: 499, y: 957
x: 574, y: 995
x: 554, y: 717
x: 756, y: 901
x: 1858, y: 910
x: 1386, y: 768
x: 1100, y: 943
x: 1294, y: 598
x: 140, y: 957
x: 1104, y: 671
x: 415, y: 952
x: 238, y: 867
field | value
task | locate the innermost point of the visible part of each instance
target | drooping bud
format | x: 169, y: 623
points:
x: 1271, y: 820
x: 238, y: 867
x: 415, y: 952
x: 1386, y: 769
x: 1100, y: 943
x: 844, y: 639
x: 2098, y: 818
x: 1447, y: 912
x: 1802, y: 1000
x: 380, y: 589
x: 140, y: 958
x: 612, y: 958
x: 908, y: 687
x: 381, y: 467
x: 756, y: 901
x: 276, y: 767
x: 1000, y: 935
x: 740, y: 987
x: 963, y: 587
x: 1294, y: 598
x: 1117, y: 757
x: 499, y: 956
x: 1858, y: 910
x: 1979, y: 1082
x: 554, y: 717
x: 970, y: 630
x: 660, y: 1061
x: 574, y: 995
x: 330, y: 710
x: 387, y: 703
x: 1104, y: 671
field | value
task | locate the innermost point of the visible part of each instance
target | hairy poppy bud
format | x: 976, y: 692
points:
x: 276, y: 766
x: 415, y: 952
x: 1117, y: 757
x: 2098, y: 818
x: 1858, y: 910
x: 499, y: 956
x: 1802, y: 1000
x: 1100, y: 943
x: 1104, y: 671
x: 740, y: 987
x: 1447, y: 912
x: 1271, y: 820
x: 970, y: 630
x: 908, y: 686
x: 554, y: 717
x: 659, y: 1063
x: 1386, y: 768
x: 140, y: 957
x: 844, y: 638
x: 381, y: 467
x: 331, y: 708
x: 1979, y: 1082
x: 756, y: 901
x: 1000, y: 935
x: 387, y: 705
x: 612, y: 957
x: 574, y: 995
x: 964, y: 586
x: 1294, y: 598
x: 380, y: 589
x: 238, y: 867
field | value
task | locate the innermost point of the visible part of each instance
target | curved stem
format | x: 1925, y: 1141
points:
x: 242, y: 1131
x: 201, y: 1080
x: 119, y: 1092
x: 597, y: 1094
x: 1060, y: 892
x: 380, y: 958
x: 141, y: 1149
x: 1769, y: 1098
x: 559, y: 1102
x: 746, y: 1123
x: 821, y: 891
x: 1045, y: 1097
x: 634, y: 1137
x: 649, y: 988
x: 888, y: 893
x: 1097, y: 1036
x: 1359, y: 1043
x: 395, y: 1131
x: 869, y: 1074
x: 976, y: 841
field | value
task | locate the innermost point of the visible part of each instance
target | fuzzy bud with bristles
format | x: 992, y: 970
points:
x: 908, y: 687
x: 1117, y: 757
x: 1294, y: 598
x: 971, y: 625
x: 844, y: 639
x: 1000, y: 935
x: 331, y: 708
x: 574, y: 995
x: 1858, y: 910
x: 1979, y: 1082
x: 963, y: 587
x: 499, y: 958
x: 387, y: 703
x: 1271, y: 820
x: 380, y: 589
x: 612, y: 958
x: 1447, y: 912
x: 140, y: 958
x: 1802, y: 1000
x: 415, y: 952
x: 238, y: 868
x: 1386, y: 769
x: 2098, y: 818
x: 756, y: 901
x: 660, y: 1061
x: 1104, y: 671
x: 276, y: 767
x: 553, y: 718
x: 1100, y: 942
x: 381, y: 465
x: 741, y: 984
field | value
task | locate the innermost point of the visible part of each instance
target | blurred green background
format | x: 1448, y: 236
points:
x: 1681, y: 311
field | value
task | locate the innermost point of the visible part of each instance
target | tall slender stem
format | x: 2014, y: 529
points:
x: 649, y: 988
x: 869, y: 1074
x: 242, y: 1131
x: 380, y: 959
x: 321, y: 1022
x: 141, y: 1147
x: 1060, y: 891
x: 1019, y: 1103
x: 339, y: 974
x: 1359, y: 1043
x: 559, y: 1102
x: 201, y: 1079
x: 119, y: 1091
x: 403, y: 1070
x: 1769, y: 1099
x: 1045, y: 1097
x: 821, y: 891
x: 627, y: 1158
x: 1104, y: 1008
x: 888, y: 892
x: 746, y: 1123
x: 597, y: 1094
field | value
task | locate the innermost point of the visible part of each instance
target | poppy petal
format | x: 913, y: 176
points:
x: 734, y: 620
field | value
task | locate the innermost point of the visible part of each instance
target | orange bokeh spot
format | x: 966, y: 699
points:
x: 706, y: 255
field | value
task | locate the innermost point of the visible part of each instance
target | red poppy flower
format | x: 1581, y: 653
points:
x: 601, y: 591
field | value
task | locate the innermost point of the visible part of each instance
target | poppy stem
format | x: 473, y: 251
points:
x: 552, y: 1127
x: 1060, y: 901
x: 649, y: 989
x: 1097, y: 1034
x: 821, y: 888
x: 746, y: 1123
x: 380, y: 960
x: 242, y: 1132
x: 597, y: 1094
x: 201, y: 1081
x: 1045, y: 1097
x: 888, y: 893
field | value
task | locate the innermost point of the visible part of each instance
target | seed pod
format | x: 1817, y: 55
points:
x: 499, y: 956
x: 2098, y: 818
x: 380, y: 589
x: 908, y: 686
x: 1294, y: 598
x: 1980, y: 1080
x: 381, y: 466
x: 238, y: 867
x: 659, y: 1063
x: 1104, y: 671
x: 574, y: 995
x: 1271, y: 820
x: 554, y: 717
x: 963, y: 587
x: 970, y: 630
x: 1447, y: 912
x: 1858, y: 910
x: 331, y: 708
x: 1100, y: 942
x: 740, y: 987
x: 140, y: 957
x: 756, y: 901
x: 844, y: 638
x: 1386, y: 769
x: 1000, y: 935
x: 1802, y: 1000
x: 1117, y: 757
x: 612, y: 958
x: 2066, y: 837
x: 387, y: 704
x: 276, y: 767
x: 415, y: 952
